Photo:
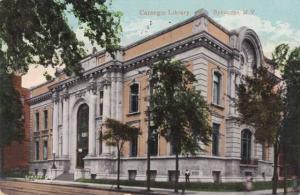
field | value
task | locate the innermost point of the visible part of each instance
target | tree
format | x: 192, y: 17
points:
x: 38, y: 32
x: 116, y: 135
x: 11, y: 122
x: 179, y: 111
x: 291, y: 149
x: 260, y: 105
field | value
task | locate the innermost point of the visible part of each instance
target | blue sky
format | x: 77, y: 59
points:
x: 275, y: 21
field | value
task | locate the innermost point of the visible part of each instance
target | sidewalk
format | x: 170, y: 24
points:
x: 141, y: 190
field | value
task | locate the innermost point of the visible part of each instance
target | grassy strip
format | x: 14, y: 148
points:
x: 196, y: 186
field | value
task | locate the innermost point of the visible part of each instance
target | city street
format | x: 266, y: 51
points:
x: 23, y: 188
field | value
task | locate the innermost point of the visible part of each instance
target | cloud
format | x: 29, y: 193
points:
x: 270, y: 34
x: 140, y: 28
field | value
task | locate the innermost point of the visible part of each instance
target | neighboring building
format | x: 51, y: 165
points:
x: 16, y: 155
x: 118, y: 88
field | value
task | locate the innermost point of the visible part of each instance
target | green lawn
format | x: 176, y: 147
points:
x: 197, y: 186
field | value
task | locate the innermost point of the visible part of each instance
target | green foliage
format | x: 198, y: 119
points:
x: 11, y: 121
x: 179, y: 111
x: 260, y: 104
x: 37, y: 32
x: 118, y: 133
x: 196, y: 186
x: 280, y: 56
x: 291, y: 133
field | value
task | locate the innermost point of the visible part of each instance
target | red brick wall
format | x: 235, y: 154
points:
x: 16, y: 155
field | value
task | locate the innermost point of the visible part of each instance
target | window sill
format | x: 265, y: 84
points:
x: 133, y: 113
x: 218, y: 106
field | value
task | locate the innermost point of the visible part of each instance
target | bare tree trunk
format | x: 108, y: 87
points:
x: 118, y: 174
x: 275, y: 174
x: 285, y: 167
x: 176, y: 173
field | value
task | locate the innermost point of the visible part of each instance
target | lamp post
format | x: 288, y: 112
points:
x: 53, y: 165
x: 149, y: 73
x: 149, y: 129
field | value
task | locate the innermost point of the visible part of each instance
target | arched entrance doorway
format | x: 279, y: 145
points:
x: 82, y: 134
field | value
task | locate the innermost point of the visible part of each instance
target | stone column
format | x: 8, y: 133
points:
x: 113, y: 97
x: 65, y: 127
x: 92, y: 118
x: 232, y: 92
x: 106, y: 111
x: 119, y: 98
x: 237, y: 82
x: 55, y: 123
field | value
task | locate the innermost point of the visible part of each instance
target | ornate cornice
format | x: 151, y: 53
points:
x: 92, y: 87
x: 202, y: 39
x: 55, y: 97
x: 40, y: 98
x: 111, y: 66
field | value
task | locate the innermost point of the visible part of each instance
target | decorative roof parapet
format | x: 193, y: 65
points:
x: 202, y: 39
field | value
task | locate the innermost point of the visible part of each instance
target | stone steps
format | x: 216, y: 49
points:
x: 66, y: 177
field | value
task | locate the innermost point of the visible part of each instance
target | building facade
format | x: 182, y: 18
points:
x: 16, y: 154
x: 76, y: 107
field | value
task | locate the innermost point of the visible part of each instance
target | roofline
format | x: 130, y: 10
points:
x: 177, y: 25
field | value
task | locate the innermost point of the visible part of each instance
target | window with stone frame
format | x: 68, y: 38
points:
x: 134, y: 146
x: 134, y: 98
x: 215, y: 139
x: 45, y: 119
x: 45, y: 150
x: 217, y: 88
x: 100, y: 142
x: 101, y: 103
x: 154, y: 142
x: 264, y: 152
x: 37, y: 121
x: 172, y: 148
x: 246, y: 137
x: 37, y: 150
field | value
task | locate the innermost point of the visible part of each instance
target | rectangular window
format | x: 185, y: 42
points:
x: 45, y: 150
x: 37, y: 150
x: 37, y: 121
x: 134, y: 146
x: 154, y: 142
x: 264, y: 155
x: 215, y: 139
x: 216, y: 88
x: 45, y: 119
x: 101, y: 103
x: 172, y: 149
x: 134, y: 98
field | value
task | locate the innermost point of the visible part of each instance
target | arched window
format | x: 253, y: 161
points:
x: 134, y: 98
x: 216, y: 88
x: 246, y: 146
x: 82, y: 134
